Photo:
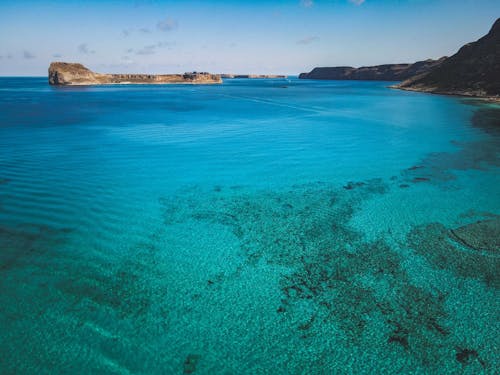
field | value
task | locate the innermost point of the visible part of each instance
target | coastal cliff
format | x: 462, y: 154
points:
x: 386, y: 72
x: 473, y: 71
x: 62, y: 73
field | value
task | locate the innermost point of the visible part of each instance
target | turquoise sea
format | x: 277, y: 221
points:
x: 254, y: 227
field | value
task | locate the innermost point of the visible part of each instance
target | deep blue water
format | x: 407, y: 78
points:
x: 259, y: 226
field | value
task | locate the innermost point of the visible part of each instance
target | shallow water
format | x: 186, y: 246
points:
x: 259, y: 226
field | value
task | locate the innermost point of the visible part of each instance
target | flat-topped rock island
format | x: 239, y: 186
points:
x: 71, y: 74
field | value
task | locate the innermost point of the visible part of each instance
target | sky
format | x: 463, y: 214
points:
x: 285, y: 36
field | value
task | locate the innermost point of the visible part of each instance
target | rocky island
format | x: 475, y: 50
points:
x: 68, y: 74
x: 473, y: 71
x: 386, y: 72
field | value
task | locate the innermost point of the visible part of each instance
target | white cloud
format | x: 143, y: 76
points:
x: 308, y: 40
x: 127, y: 60
x: 357, y: 2
x: 167, y: 24
x: 84, y: 48
x: 165, y: 44
x: 130, y: 30
x: 147, y: 50
x: 151, y: 49
x: 139, y: 3
x: 307, y: 3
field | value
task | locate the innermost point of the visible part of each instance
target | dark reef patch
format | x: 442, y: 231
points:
x: 481, y: 154
x: 438, y: 167
x: 477, y: 214
x: 129, y: 288
x: 465, y: 356
x: 415, y: 167
x: 487, y: 119
x: 352, y: 185
x: 345, y: 286
x: 336, y: 275
x: 480, y: 236
x: 22, y: 244
x: 190, y: 363
x: 474, y: 255
x: 420, y: 179
x: 276, y: 226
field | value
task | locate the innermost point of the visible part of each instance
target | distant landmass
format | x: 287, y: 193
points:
x: 473, y: 71
x: 252, y: 76
x: 386, y: 72
x: 63, y: 73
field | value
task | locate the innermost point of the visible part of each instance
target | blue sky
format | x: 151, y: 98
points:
x: 287, y: 36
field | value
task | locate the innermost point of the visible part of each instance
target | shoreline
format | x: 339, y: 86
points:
x: 489, y: 99
x: 136, y: 83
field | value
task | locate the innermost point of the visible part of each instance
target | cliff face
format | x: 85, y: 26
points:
x: 61, y: 73
x: 387, y: 72
x: 473, y: 71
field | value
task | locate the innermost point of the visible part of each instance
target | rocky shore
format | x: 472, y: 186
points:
x: 68, y: 74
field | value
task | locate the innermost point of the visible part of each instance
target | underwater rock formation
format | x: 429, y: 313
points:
x: 480, y: 236
x: 470, y: 251
x: 190, y: 363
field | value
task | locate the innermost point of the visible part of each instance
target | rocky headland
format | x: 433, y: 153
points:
x: 386, y: 72
x: 473, y: 71
x: 68, y: 74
